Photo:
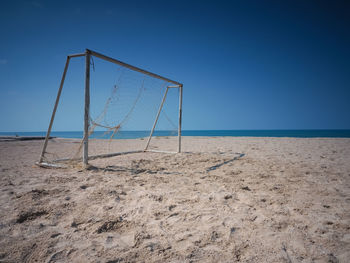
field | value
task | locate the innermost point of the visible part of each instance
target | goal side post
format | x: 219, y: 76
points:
x: 41, y: 159
x: 86, y: 109
x: 156, y: 120
x: 180, y: 117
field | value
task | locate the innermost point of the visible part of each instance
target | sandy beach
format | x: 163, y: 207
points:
x: 223, y: 199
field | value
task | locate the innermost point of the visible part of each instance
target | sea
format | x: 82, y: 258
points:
x: 206, y: 133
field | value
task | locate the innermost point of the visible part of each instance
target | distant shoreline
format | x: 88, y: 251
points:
x: 195, y: 133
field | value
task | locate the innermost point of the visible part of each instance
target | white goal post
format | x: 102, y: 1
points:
x: 85, y: 156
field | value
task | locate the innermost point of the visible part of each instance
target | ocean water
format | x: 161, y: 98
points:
x: 209, y: 133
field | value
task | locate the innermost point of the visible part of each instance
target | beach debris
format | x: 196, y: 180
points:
x: 171, y: 207
x: 139, y: 237
x: 26, y: 216
x: 115, y: 260
x: 156, y: 198
x: 151, y: 246
x: 229, y: 196
x: 253, y: 218
x: 92, y: 168
x: 57, y: 256
x: 246, y: 188
x: 214, y: 236
x: 22, y: 138
x: 235, y: 172
x: 174, y: 214
x: 55, y: 235
x: 110, y: 225
x: 109, y: 239
x: 286, y: 255
x: 37, y: 193
x: 112, y: 192
x: 332, y: 258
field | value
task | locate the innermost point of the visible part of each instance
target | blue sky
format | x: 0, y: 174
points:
x: 244, y: 64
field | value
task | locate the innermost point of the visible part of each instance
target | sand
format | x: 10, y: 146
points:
x: 222, y: 200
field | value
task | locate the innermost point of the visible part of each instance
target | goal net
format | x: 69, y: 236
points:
x: 125, y: 110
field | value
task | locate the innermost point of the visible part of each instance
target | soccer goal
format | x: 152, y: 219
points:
x: 124, y: 110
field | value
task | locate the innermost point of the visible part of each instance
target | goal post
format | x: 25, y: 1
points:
x: 86, y: 108
x: 88, y: 54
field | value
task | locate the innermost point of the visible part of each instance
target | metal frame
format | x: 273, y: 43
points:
x: 88, y: 53
x: 157, y: 117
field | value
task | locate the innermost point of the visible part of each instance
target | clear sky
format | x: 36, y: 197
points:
x: 244, y: 64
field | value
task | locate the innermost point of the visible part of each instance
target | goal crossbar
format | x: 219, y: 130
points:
x: 115, y: 61
x: 88, y: 53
